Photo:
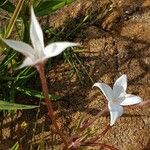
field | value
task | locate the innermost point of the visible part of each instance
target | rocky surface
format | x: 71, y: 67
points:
x: 115, y: 41
x: 114, y: 44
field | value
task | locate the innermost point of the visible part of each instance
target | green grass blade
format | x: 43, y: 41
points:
x: 7, y: 60
x: 36, y: 93
x: 13, y: 19
x: 15, y: 147
x: 46, y: 7
x: 13, y: 106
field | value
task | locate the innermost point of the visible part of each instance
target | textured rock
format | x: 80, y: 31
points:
x: 119, y: 44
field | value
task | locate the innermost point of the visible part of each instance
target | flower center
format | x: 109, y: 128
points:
x: 114, y: 100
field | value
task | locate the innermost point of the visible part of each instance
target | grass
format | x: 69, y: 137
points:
x: 14, y: 81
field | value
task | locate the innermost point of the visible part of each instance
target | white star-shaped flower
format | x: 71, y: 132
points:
x: 117, y: 97
x: 38, y: 53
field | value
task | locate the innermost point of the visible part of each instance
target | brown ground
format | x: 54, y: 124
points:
x: 115, y: 41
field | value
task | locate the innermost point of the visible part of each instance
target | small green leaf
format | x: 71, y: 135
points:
x: 36, y: 94
x: 13, y: 106
x: 15, y: 147
x: 46, y: 7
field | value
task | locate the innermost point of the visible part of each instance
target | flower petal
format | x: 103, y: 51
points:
x: 56, y: 48
x: 130, y: 100
x: 27, y: 62
x: 106, y: 90
x: 115, y: 112
x: 21, y: 47
x: 36, y: 34
x: 120, y: 86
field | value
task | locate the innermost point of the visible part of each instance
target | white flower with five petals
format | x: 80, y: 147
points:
x: 117, y: 97
x: 38, y: 53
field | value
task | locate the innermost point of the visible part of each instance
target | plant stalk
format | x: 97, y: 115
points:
x: 79, y: 141
x: 93, y: 140
x: 13, y: 19
x: 40, y: 68
x: 90, y: 122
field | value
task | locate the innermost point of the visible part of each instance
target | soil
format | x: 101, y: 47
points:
x: 114, y: 41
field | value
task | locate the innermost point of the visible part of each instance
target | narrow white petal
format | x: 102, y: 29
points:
x: 26, y: 62
x: 56, y: 48
x: 36, y: 34
x: 130, y: 100
x: 120, y: 86
x: 21, y: 47
x: 106, y: 90
x: 115, y: 112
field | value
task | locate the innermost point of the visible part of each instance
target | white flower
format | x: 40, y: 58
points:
x: 117, y: 97
x: 38, y: 53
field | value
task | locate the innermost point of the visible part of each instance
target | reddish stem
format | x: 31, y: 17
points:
x: 40, y: 68
x: 89, y: 122
x: 78, y: 141
x: 99, y: 135
x: 103, y: 111
x: 20, y: 146
x: 85, y: 126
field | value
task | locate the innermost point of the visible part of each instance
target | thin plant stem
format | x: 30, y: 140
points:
x: 35, y: 125
x: 85, y: 126
x: 13, y: 19
x: 79, y: 141
x: 88, y: 123
x: 83, y: 67
x: 93, y: 140
x: 103, y: 111
x: 40, y: 68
